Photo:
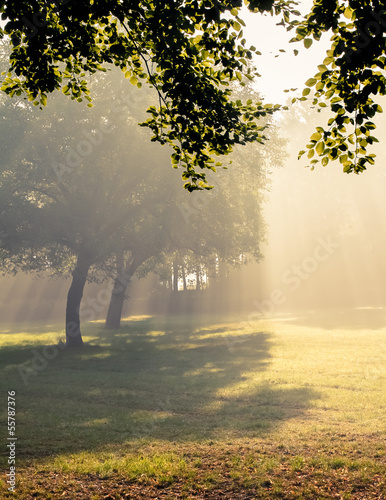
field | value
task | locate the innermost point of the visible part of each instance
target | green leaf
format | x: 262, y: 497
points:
x: 328, y: 60
x: 316, y: 136
x: 307, y: 42
x: 310, y: 82
x: 320, y: 148
x: 348, y: 13
x: 134, y: 80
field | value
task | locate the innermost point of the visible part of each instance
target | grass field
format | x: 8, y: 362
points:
x: 207, y: 407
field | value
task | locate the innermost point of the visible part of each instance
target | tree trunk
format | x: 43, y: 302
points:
x: 184, y: 277
x: 198, y: 281
x: 114, y: 313
x: 175, y: 275
x: 122, y: 280
x: 74, y: 297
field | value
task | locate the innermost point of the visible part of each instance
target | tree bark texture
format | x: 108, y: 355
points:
x: 74, y: 298
x: 175, y: 275
x: 184, y: 277
x: 125, y: 272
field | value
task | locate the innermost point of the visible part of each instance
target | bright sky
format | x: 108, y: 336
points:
x: 285, y: 71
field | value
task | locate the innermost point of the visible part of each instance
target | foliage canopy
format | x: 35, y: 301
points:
x: 349, y: 79
x: 190, y: 51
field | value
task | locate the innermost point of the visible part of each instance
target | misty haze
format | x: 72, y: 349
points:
x: 192, y: 286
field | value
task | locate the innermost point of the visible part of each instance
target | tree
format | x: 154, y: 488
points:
x: 78, y: 189
x: 190, y: 65
x: 349, y: 77
x: 210, y: 232
x: 148, y: 240
x: 198, y: 232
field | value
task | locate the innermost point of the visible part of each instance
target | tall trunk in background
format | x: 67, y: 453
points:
x: 184, y: 277
x: 198, y: 280
x: 114, y: 313
x: 175, y: 275
x: 125, y: 272
x: 74, y: 298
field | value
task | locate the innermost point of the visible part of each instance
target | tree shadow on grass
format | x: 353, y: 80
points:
x: 174, y: 381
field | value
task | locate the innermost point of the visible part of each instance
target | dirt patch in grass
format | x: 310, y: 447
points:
x: 252, y: 471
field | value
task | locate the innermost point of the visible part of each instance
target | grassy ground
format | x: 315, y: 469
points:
x: 189, y: 407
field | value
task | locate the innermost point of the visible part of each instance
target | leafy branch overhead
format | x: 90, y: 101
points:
x: 190, y: 51
x: 348, y: 81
